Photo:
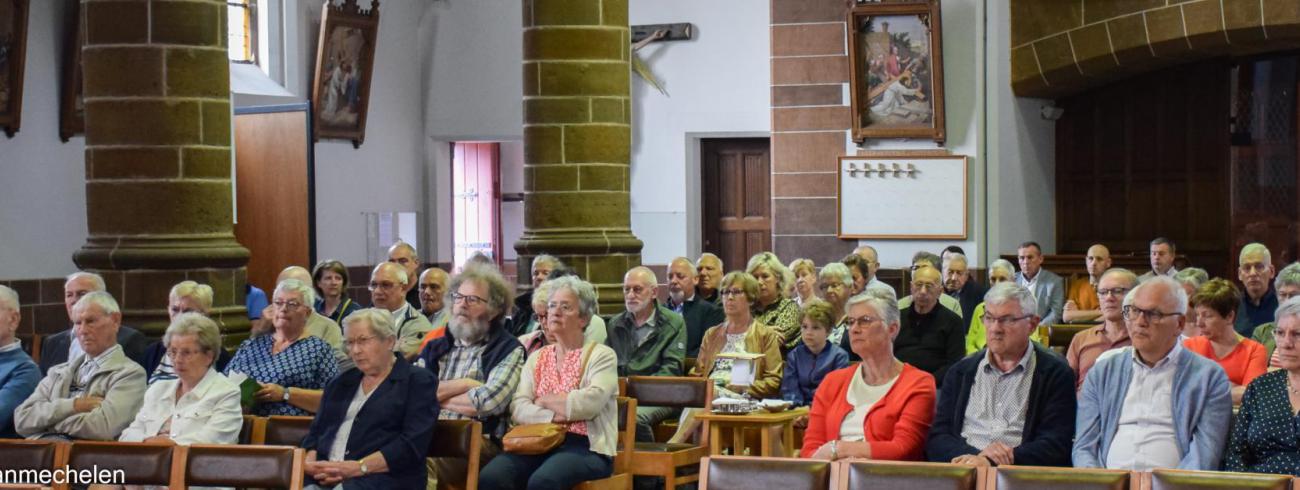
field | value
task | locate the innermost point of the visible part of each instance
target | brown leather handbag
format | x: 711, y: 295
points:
x: 535, y: 439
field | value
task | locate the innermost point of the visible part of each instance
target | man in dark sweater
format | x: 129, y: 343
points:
x: 957, y: 283
x: 699, y: 315
x: 930, y: 337
x: 1010, y: 403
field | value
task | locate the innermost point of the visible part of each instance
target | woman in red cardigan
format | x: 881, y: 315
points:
x: 878, y: 409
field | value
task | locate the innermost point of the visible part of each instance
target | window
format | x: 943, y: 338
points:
x: 241, y: 31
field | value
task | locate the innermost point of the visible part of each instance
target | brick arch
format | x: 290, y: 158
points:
x: 1061, y: 47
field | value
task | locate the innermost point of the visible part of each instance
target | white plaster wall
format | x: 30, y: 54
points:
x: 43, y: 190
x: 718, y: 85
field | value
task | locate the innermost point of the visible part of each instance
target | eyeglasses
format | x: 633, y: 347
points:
x: 864, y: 321
x: 732, y: 292
x: 830, y: 286
x: 1102, y: 293
x: 1133, y: 313
x: 1001, y: 320
x: 468, y: 299
x: 563, y: 308
x: 182, y: 354
x: 382, y: 285
x: 637, y: 290
x: 358, y: 342
x: 928, y: 286
x: 286, y: 305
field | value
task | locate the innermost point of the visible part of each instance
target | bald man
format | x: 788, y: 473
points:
x: 930, y: 337
x: 403, y: 254
x: 388, y: 285
x: 868, y: 253
x: 318, y: 325
x: 649, y: 339
x: 698, y: 315
x: 710, y: 270
x: 1081, y: 304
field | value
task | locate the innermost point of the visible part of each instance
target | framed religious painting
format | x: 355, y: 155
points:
x: 896, y: 52
x: 13, y: 50
x: 72, y: 107
x: 345, y: 58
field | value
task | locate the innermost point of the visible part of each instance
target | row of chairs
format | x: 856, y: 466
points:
x: 159, y: 464
x: 748, y: 473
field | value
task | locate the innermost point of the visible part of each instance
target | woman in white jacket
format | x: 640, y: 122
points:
x: 200, y: 406
x: 569, y: 383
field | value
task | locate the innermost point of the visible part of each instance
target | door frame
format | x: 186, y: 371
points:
x: 306, y: 109
x: 695, y: 175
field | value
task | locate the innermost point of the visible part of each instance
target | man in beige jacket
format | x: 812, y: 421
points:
x: 94, y: 395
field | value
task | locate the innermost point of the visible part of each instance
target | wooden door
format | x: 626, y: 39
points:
x: 737, y: 198
x: 476, y: 200
x: 274, y: 190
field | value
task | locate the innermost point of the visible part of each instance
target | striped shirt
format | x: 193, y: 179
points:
x: 464, y: 361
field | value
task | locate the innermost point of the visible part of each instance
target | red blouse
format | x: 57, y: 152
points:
x: 550, y: 380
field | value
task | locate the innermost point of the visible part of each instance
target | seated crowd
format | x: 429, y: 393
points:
x: 956, y: 371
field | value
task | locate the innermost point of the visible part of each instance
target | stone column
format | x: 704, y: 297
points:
x: 158, y: 157
x: 577, y: 141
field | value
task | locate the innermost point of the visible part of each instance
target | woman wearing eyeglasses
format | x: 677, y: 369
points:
x: 835, y: 283
x: 740, y: 334
x: 878, y: 409
x: 375, y: 420
x: 1265, y: 436
x: 1242, y: 359
x: 292, y: 366
x: 198, y: 405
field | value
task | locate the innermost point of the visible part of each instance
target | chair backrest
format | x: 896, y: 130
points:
x: 750, y: 473
x: 31, y: 345
x: 140, y: 463
x: 670, y: 391
x: 884, y: 475
x: 1043, y: 478
x: 244, y: 466
x: 19, y: 454
x: 253, y: 431
x: 626, y: 434
x: 1200, y: 480
x: 285, y: 430
x: 458, y: 439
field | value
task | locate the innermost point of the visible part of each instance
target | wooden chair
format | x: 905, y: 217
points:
x: 31, y: 345
x: 244, y: 466
x: 754, y: 473
x: 1192, y: 480
x: 1046, y: 478
x: 459, y: 439
x: 22, y: 454
x: 1060, y: 335
x: 286, y: 430
x: 620, y: 479
x: 140, y: 463
x: 885, y: 475
x: 253, y: 431
x: 662, y: 459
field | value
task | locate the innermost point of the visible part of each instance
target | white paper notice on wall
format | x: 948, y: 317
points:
x: 905, y: 197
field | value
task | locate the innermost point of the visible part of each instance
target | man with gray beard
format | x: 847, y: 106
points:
x: 477, y: 362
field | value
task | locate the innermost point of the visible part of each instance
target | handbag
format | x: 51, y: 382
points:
x: 536, y: 439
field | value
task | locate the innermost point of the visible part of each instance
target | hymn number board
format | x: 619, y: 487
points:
x: 902, y: 197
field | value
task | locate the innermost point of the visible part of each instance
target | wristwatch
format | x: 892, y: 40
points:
x: 285, y: 398
x: 364, y: 471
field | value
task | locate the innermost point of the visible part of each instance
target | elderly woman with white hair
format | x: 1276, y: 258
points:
x: 375, y: 420
x: 1287, y: 286
x: 835, y: 284
x: 568, y: 383
x: 804, y: 287
x: 772, y: 307
x: 185, y: 297
x: 1000, y: 271
x: 291, y: 365
x: 197, y: 405
x: 878, y: 409
x: 1265, y: 438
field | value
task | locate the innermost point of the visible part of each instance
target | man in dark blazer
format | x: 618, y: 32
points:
x: 61, y: 347
x: 699, y: 314
x: 1010, y: 403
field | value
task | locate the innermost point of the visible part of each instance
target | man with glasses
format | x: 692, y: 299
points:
x: 1287, y: 286
x: 1011, y: 403
x: 388, y: 291
x: 1153, y: 404
x: 697, y: 314
x: 1089, y: 344
x: 1081, y: 304
x: 477, y: 362
x: 927, y: 259
x: 929, y: 337
x: 649, y: 340
x: 1255, y: 270
x: 1048, y: 288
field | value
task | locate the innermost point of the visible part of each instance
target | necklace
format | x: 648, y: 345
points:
x: 1289, y: 388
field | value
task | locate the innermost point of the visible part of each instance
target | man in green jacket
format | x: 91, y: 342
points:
x: 650, y: 340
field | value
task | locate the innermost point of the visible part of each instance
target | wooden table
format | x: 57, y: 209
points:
x: 776, y: 430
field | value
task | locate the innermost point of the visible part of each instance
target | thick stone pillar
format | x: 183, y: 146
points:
x: 158, y: 157
x: 577, y: 141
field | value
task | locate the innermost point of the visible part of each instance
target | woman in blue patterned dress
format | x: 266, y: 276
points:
x: 292, y: 366
x: 1266, y: 434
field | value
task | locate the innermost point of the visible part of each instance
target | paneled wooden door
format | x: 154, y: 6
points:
x: 737, y: 198
x: 274, y: 190
x: 476, y: 200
